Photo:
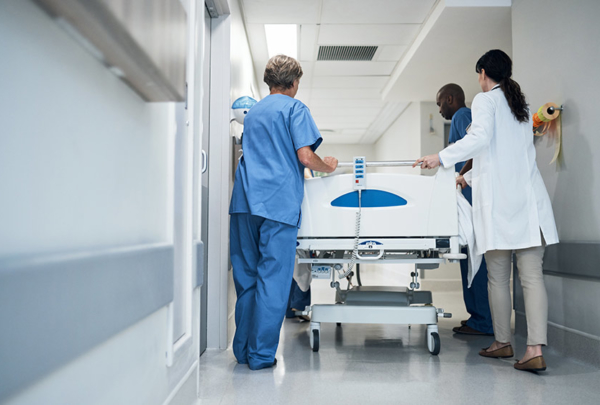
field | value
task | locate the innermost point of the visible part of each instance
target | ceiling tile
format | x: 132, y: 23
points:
x: 343, y: 122
x: 357, y: 82
x: 367, y: 34
x: 419, y: 77
x: 362, y: 68
x: 349, y: 102
x: 346, y: 93
x: 340, y: 138
x: 308, y: 42
x: 375, y: 11
x: 350, y: 132
x: 281, y: 11
x: 390, y: 52
x: 345, y: 111
x: 304, y: 95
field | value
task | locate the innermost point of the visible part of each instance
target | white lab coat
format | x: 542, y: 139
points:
x: 510, y: 201
x: 466, y: 236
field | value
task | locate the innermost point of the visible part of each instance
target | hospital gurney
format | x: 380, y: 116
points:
x: 363, y: 217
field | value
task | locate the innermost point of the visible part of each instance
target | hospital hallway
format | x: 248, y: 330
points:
x: 163, y: 160
x: 390, y: 364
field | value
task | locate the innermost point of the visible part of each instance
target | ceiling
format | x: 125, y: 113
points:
x: 354, y: 102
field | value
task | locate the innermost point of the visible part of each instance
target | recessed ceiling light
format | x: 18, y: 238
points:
x: 282, y: 39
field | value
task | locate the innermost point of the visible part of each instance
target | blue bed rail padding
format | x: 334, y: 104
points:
x: 370, y: 199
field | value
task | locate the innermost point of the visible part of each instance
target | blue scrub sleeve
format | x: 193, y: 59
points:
x: 303, y: 129
x: 459, y: 128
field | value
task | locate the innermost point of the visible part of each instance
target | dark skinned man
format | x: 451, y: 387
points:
x: 451, y: 101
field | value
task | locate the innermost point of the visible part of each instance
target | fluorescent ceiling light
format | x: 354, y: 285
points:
x: 282, y: 39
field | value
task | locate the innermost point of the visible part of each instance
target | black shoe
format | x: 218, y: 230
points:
x: 467, y: 330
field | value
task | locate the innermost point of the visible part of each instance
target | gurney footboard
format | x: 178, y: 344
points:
x: 393, y: 206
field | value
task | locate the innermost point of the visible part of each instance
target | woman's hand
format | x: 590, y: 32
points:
x: 428, y: 162
x: 460, y: 181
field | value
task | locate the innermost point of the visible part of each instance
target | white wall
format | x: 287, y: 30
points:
x: 243, y: 83
x: 73, y: 137
x: 345, y: 153
x: 431, y: 142
x: 85, y: 164
x: 566, y: 74
x: 402, y: 140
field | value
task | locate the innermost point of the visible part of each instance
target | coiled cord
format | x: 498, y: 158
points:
x: 356, y: 238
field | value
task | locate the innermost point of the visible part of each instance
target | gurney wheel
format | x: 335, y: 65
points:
x: 315, y: 346
x: 434, y: 344
x: 338, y: 324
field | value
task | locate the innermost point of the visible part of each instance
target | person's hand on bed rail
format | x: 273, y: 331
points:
x: 460, y: 181
x: 428, y: 162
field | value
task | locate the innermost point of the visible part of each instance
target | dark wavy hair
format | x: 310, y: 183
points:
x: 498, y: 67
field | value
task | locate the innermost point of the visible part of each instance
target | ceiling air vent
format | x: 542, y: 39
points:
x: 346, y: 52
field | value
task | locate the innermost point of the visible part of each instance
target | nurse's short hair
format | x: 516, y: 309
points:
x: 282, y: 71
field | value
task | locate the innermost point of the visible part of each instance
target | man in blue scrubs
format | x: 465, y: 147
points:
x: 280, y: 137
x: 451, y: 101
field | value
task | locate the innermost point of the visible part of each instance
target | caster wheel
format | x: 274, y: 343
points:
x: 338, y: 324
x: 433, y: 343
x: 315, y: 347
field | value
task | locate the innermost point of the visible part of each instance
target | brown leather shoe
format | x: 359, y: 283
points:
x: 501, y: 353
x: 467, y: 330
x: 533, y: 364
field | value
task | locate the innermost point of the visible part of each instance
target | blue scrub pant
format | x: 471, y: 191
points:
x: 298, y: 300
x: 476, y: 297
x: 262, y: 254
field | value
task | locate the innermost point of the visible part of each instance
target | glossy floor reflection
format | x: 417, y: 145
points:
x: 390, y: 364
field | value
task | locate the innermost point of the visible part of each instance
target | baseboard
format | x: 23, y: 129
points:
x: 566, y: 341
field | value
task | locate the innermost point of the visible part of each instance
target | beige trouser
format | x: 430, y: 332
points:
x: 529, y: 263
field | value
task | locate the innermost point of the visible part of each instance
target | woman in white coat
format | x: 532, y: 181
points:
x: 511, y: 207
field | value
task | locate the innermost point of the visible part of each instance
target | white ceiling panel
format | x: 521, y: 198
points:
x: 362, y: 68
x: 349, y: 132
x: 340, y: 138
x: 345, y: 96
x: 282, y: 11
x: 356, y: 82
x: 350, y: 102
x: 343, y: 122
x: 368, y: 34
x: 345, y: 111
x: 419, y: 77
x: 333, y: 94
x: 307, y: 74
x: 375, y: 11
x: 390, y: 52
x: 304, y: 95
x: 308, y: 42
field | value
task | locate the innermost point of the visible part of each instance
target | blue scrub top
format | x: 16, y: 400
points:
x: 269, y: 181
x: 458, y: 129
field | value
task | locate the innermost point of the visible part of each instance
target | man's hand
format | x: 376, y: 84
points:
x: 428, y: 162
x: 311, y: 160
x: 331, y: 162
x: 460, y: 181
